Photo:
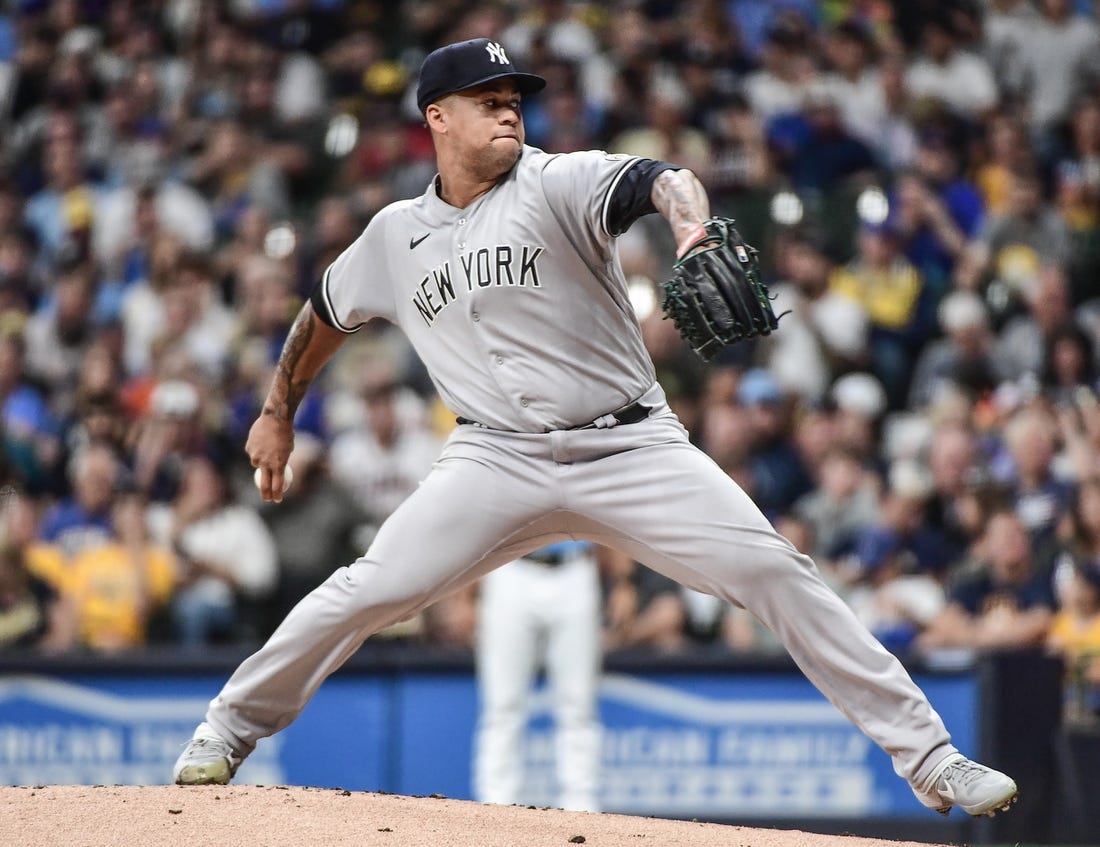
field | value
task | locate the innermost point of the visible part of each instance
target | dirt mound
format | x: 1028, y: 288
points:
x: 260, y: 816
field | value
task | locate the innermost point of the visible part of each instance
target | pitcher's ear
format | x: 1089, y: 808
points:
x: 435, y: 117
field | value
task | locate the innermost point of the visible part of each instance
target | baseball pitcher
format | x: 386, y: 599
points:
x: 505, y: 277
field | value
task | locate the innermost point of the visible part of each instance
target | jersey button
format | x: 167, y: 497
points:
x: 462, y: 222
x: 475, y: 317
x: 523, y: 401
x: 500, y: 360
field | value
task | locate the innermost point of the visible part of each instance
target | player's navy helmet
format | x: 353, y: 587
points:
x: 466, y: 64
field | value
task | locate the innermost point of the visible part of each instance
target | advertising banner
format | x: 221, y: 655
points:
x: 119, y: 730
x: 712, y: 746
x: 715, y: 747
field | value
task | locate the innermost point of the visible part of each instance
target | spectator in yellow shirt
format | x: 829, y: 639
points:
x: 42, y: 560
x: 1075, y: 630
x: 119, y: 585
x: 1075, y: 635
x: 32, y: 614
x: 889, y: 288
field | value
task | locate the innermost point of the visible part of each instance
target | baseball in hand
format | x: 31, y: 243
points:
x: 288, y: 477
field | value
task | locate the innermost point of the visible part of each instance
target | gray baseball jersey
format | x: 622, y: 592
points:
x: 516, y: 304
x: 518, y: 307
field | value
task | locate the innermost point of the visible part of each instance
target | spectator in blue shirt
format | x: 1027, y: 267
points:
x: 84, y: 519
x: 936, y: 210
x: 1004, y: 602
x: 779, y: 476
x: 821, y: 152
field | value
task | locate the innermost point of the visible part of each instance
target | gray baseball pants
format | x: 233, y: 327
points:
x: 642, y: 488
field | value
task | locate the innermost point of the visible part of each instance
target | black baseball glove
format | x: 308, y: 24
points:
x: 715, y: 296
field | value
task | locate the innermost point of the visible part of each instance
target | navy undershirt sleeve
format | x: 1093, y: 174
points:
x: 320, y: 308
x: 630, y: 198
x: 320, y: 305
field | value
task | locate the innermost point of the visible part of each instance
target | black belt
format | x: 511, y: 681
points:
x: 632, y: 413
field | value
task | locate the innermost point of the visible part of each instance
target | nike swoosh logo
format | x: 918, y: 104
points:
x: 415, y: 241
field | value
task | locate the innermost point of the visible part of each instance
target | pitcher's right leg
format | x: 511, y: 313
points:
x: 447, y: 533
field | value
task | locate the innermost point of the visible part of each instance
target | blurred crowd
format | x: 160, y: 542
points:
x: 922, y: 178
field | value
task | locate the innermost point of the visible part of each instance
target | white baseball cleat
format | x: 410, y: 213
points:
x: 208, y: 759
x: 974, y: 788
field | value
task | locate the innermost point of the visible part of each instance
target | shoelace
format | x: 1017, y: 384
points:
x: 963, y: 772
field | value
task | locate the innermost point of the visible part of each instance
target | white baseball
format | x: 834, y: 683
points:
x: 288, y: 477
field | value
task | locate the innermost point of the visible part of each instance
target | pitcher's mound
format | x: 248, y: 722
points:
x: 260, y: 816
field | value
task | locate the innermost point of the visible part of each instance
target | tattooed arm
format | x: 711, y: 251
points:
x: 309, y: 345
x: 682, y: 201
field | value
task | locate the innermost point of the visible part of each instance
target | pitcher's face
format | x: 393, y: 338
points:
x: 485, y: 126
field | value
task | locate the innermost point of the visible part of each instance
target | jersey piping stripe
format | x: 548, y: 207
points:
x: 627, y: 165
x: 335, y: 321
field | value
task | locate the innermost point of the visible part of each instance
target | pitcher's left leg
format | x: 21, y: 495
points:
x: 674, y: 509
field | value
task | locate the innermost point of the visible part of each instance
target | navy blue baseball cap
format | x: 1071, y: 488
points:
x: 466, y: 64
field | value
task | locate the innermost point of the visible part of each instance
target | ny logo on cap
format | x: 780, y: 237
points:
x: 496, y: 53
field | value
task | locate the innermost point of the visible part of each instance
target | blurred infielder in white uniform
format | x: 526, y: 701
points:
x: 542, y: 610
x: 504, y: 276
